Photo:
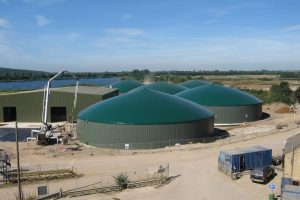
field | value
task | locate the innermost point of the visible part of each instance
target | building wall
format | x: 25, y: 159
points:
x: 29, y: 105
x: 236, y: 114
x: 141, y: 136
x: 288, y: 171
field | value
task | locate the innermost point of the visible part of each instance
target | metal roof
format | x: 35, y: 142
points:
x: 193, y: 83
x: 95, y: 90
x: 144, y: 107
x: 166, y: 87
x: 246, y: 150
x: 126, y: 85
x: 219, y: 95
x: 292, y: 143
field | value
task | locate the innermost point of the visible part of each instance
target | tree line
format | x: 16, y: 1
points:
x: 278, y: 93
x: 7, y: 74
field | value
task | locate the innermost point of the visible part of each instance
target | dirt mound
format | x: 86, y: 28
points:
x: 283, y: 110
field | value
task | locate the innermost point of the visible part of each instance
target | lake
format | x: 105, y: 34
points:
x: 32, y: 85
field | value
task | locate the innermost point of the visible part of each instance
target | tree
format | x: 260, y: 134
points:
x: 282, y: 93
x: 297, y: 94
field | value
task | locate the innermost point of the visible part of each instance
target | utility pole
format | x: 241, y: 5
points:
x: 18, y: 163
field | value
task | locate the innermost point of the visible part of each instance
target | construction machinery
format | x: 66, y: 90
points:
x: 5, y: 165
x: 45, y: 134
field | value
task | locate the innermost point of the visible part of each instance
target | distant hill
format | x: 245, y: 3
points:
x: 10, y: 70
x: 9, y: 74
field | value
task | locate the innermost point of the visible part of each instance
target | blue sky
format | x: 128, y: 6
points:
x: 117, y: 35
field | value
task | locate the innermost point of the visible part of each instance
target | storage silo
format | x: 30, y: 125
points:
x: 126, y: 86
x: 193, y: 83
x: 143, y: 119
x: 230, y: 106
x: 165, y: 87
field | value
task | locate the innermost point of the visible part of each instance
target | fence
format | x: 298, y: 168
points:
x: 152, y: 175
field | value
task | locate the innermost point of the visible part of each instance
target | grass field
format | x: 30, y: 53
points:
x: 258, y: 82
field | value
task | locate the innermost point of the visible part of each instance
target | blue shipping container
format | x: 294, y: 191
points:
x: 238, y: 160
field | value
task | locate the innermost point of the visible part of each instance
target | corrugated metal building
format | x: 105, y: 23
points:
x: 126, y: 86
x: 27, y: 106
x: 145, y: 119
x: 193, y: 83
x: 230, y: 106
x: 238, y: 160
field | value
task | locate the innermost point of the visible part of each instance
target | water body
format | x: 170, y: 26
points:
x: 33, y: 85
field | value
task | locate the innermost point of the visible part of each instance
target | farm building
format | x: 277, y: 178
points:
x: 230, y: 106
x: 193, y: 83
x: 126, y: 86
x: 27, y: 106
x: 165, y: 87
x: 290, y: 183
x: 145, y: 119
x: 238, y: 160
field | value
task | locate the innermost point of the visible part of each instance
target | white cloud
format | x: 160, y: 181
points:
x: 207, y: 22
x: 42, y: 21
x: 125, y: 31
x: 43, y: 2
x: 73, y: 35
x: 126, y: 17
x: 4, y: 23
x: 291, y: 28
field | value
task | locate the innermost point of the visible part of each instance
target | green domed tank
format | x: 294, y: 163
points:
x: 143, y: 119
x: 126, y: 85
x: 165, y: 87
x: 230, y: 106
x: 193, y: 83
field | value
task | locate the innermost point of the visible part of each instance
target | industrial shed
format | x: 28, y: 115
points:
x: 126, y: 86
x: 230, y: 106
x: 165, y: 87
x: 143, y: 119
x: 239, y: 160
x: 193, y: 83
x: 27, y: 106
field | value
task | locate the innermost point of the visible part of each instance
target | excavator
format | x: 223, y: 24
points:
x: 45, y: 134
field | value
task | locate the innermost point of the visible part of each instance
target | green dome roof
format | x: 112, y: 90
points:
x: 166, y: 87
x: 219, y: 95
x: 144, y: 107
x: 193, y: 83
x: 126, y: 85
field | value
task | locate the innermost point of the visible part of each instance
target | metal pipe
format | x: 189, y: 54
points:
x: 18, y: 163
x: 47, y: 96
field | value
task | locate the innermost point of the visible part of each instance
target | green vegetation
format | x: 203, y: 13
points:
x: 261, y: 94
x: 297, y: 94
x: 265, y: 79
x: 7, y: 74
x: 173, y: 78
x: 278, y: 93
x: 121, y: 180
x: 282, y: 93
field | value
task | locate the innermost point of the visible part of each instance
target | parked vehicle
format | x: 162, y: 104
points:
x: 262, y: 174
x: 276, y: 160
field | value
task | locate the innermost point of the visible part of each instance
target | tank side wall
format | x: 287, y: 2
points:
x: 141, y: 136
x: 236, y: 114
